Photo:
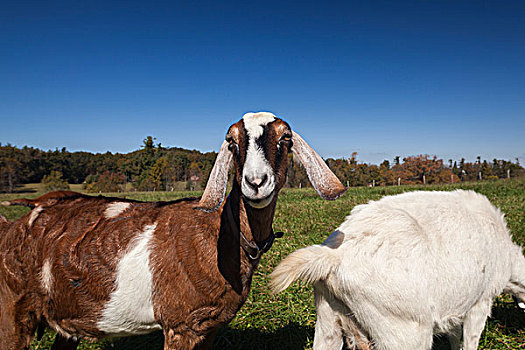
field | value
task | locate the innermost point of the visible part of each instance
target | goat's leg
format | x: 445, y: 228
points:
x: 517, y: 289
x: 518, y: 293
x: 516, y: 284
x: 15, y: 336
x: 474, y: 324
x: 8, y: 328
x: 328, y: 332
x: 180, y: 340
x: 10, y: 337
x: 18, y: 324
x: 207, y: 343
x: 353, y: 334
x: 63, y: 343
x: 454, y: 338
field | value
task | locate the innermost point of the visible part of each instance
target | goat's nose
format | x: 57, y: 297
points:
x: 255, y: 181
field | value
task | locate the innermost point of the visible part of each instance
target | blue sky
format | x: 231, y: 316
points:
x: 380, y: 78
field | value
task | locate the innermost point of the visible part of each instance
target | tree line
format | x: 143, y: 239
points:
x: 157, y: 168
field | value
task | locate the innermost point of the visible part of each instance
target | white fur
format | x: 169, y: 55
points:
x: 46, y: 276
x: 413, y: 265
x: 256, y: 165
x: 34, y: 215
x: 254, y: 122
x: 130, y: 309
x: 115, y: 209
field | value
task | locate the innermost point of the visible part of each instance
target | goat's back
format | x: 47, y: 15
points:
x: 432, y: 254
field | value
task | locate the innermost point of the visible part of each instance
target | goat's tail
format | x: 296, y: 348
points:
x: 4, y: 224
x: 3, y: 220
x: 32, y: 203
x: 20, y: 201
x: 309, y: 264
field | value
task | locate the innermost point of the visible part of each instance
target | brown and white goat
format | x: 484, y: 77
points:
x: 100, y: 267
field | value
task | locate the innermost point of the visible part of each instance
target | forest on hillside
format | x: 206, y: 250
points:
x: 157, y: 168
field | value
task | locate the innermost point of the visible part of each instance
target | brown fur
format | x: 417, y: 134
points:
x: 201, y: 275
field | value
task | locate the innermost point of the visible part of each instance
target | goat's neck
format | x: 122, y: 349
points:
x: 256, y: 224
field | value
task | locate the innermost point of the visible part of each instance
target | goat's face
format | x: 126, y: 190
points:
x: 259, y: 145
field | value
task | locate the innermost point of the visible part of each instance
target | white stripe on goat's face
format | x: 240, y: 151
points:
x: 258, y: 178
x: 130, y: 309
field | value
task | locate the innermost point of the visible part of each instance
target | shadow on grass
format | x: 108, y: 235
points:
x: 507, y: 319
x: 151, y: 341
x: 291, y: 337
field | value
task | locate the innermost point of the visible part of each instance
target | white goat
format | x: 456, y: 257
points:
x: 405, y: 267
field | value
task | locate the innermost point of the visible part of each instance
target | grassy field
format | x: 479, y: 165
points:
x: 286, y: 321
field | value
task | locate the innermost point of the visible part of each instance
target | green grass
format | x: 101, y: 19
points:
x: 287, y: 320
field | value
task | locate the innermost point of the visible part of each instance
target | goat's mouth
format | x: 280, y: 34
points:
x: 259, y: 203
x: 258, y: 194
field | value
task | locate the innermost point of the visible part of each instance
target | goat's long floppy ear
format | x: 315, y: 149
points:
x: 215, y: 190
x: 322, y: 178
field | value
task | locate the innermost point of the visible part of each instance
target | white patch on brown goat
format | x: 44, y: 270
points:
x: 130, y: 309
x: 115, y: 209
x: 34, y: 215
x: 46, y: 276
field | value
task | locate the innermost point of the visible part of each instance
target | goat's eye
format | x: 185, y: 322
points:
x: 286, y: 137
x: 232, y: 144
x: 285, y: 141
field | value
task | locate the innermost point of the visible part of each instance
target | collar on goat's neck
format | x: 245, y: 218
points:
x: 256, y: 235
